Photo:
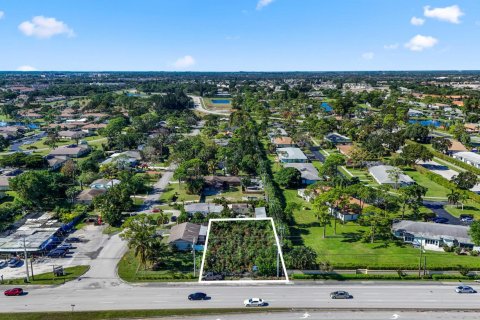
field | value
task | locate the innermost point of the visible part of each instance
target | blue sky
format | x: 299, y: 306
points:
x: 239, y: 35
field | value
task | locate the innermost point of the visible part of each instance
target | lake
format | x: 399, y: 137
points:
x: 428, y: 123
x: 220, y: 101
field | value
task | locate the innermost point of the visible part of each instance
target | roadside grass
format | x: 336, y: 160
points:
x: 109, y: 230
x: 130, y: 314
x: 174, y: 266
x: 234, y: 194
x: 469, y: 207
x: 48, y: 278
x: 434, y: 189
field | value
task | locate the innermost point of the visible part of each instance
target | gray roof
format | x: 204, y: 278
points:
x: 308, y: 170
x: 434, y: 231
x: 337, y: 138
x: 381, y: 174
x: 469, y: 156
x: 260, y: 212
x: 291, y: 153
x: 203, y: 207
x: 185, y: 231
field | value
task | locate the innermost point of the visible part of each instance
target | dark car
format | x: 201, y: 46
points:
x: 173, y: 218
x: 57, y: 253
x: 73, y: 240
x: 440, y: 220
x: 14, y: 262
x: 340, y: 295
x: 209, y: 276
x: 198, y: 296
x: 14, y: 292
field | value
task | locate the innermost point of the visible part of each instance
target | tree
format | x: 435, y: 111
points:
x: 140, y: 232
x: 113, y: 203
x: 52, y: 139
x: 38, y: 188
x: 69, y: 169
x: 416, y: 132
x: 412, y: 153
x: 465, y: 180
x: 114, y: 127
x: 474, y: 232
x: 35, y: 161
x: 331, y: 164
x: 358, y: 156
x: 395, y: 174
x: 453, y: 197
x: 4, y: 143
x: 441, y: 144
x: 323, y: 213
x: 288, y: 177
x: 378, y: 222
x: 302, y: 258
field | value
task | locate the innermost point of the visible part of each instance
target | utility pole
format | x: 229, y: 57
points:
x: 194, y: 260
x: 26, y: 258
x: 421, y: 258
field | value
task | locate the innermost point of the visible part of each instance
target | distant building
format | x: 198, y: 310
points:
x: 382, y: 175
x: 433, y: 236
x: 71, y: 135
x: 71, y: 151
x: 283, y: 142
x: 55, y: 162
x: 104, y: 183
x: 291, y: 155
x: 87, y: 195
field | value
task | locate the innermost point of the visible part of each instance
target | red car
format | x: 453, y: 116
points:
x: 14, y: 292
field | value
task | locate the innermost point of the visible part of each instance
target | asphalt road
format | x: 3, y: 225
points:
x: 124, y: 296
x: 437, y: 208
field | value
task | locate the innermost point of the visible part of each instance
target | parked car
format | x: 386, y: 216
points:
x: 65, y: 246
x: 3, y: 264
x: 440, y: 220
x: 73, y: 240
x: 14, y: 292
x: 467, y: 219
x: 254, y: 302
x: 340, y: 295
x: 210, y: 276
x: 464, y: 289
x: 198, y: 296
x: 173, y: 219
x: 57, y: 253
x: 14, y: 262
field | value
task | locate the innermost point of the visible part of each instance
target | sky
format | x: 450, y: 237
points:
x: 239, y: 35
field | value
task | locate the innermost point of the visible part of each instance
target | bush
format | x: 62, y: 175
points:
x: 447, y: 249
x: 474, y: 253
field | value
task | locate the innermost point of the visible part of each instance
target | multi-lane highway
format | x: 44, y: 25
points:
x: 124, y: 296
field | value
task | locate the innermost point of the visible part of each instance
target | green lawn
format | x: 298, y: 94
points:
x: 470, y: 207
x: 346, y: 249
x: 434, y: 190
x: 234, y: 194
x: 180, y: 191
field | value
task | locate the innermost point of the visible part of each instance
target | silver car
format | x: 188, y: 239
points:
x: 464, y: 289
x: 254, y: 302
x: 340, y: 295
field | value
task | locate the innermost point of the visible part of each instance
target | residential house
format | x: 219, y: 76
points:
x: 4, y: 185
x: 351, y: 212
x: 71, y: 151
x: 87, y: 195
x: 127, y: 158
x: 456, y: 146
x: 283, y: 142
x: 104, y: 183
x: 186, y: 235
x: 472, y: 127
x: 242, y: 209
x: 93, y: 127
x: 433, y: 236
x: 222, y: 182
x: 382, y: 175
x: 307, y: 170
x: 337, y: 138
x: 468, y: 157
x: 415, y: 113
x: 72, y: 135
x: 203, y: 208
x: 55, y: 162
x: 291, y: 155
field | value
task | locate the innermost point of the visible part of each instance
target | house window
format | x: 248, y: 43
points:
x: 408, y: 239
x: 428, y: 241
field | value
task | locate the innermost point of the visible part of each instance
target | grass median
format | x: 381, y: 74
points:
x: 49, y: 278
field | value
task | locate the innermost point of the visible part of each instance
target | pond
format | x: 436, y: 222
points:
x: 28, y: 125
x: 220, y: 101
x: 326, y: 107
x: 427, y: 123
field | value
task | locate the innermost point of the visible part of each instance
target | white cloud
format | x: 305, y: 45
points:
x: 368, y: 55
x: 43, y: 28
x: 2, y: 14
x: 263, y: 3
x: 419, y: 42
x: 450, y: 14
x: 184, y: 62
x: 26, y: 68
x: 417, y: 21
x: 392, y: 46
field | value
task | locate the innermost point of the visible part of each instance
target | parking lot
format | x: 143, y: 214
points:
x: 81, y: 253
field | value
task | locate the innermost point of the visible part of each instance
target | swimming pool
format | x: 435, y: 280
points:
x: 220, y: 101
x: 326, y: 107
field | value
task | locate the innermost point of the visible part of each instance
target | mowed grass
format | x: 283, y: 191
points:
x: 469, y: 207
x: 346, y: 250
x: 49, y: 278
x: 434, y: 189
x: 179, y: 189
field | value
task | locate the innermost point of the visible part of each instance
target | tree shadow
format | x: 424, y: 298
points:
x: 351, y: 237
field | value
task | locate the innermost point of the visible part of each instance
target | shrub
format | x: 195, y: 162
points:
x: 474, y: 253
x: 447, y: 248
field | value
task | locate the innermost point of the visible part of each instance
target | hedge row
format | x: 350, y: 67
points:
x: 334, y: 276
x: 445, y: 183
x: 456, y: 162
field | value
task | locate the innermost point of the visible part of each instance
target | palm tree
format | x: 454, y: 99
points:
x: 453, y: 197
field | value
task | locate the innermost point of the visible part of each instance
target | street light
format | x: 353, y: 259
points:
x: 26, y: 258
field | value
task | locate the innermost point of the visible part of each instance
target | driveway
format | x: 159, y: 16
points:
x: 438, y: 208
x: 318, y: 155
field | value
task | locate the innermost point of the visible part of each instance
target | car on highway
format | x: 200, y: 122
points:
x: 198, y: 296
x: 465, y: 289
x: 340, y: 295
x: 13, y: 292
x: 254, y: 302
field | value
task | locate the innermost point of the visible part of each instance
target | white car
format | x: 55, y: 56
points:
x: 254, y: 302
x: 464, y: 289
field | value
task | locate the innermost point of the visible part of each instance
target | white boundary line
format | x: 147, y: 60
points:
x: 244, y: 281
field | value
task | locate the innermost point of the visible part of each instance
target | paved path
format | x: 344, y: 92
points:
x: 438, y: 208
